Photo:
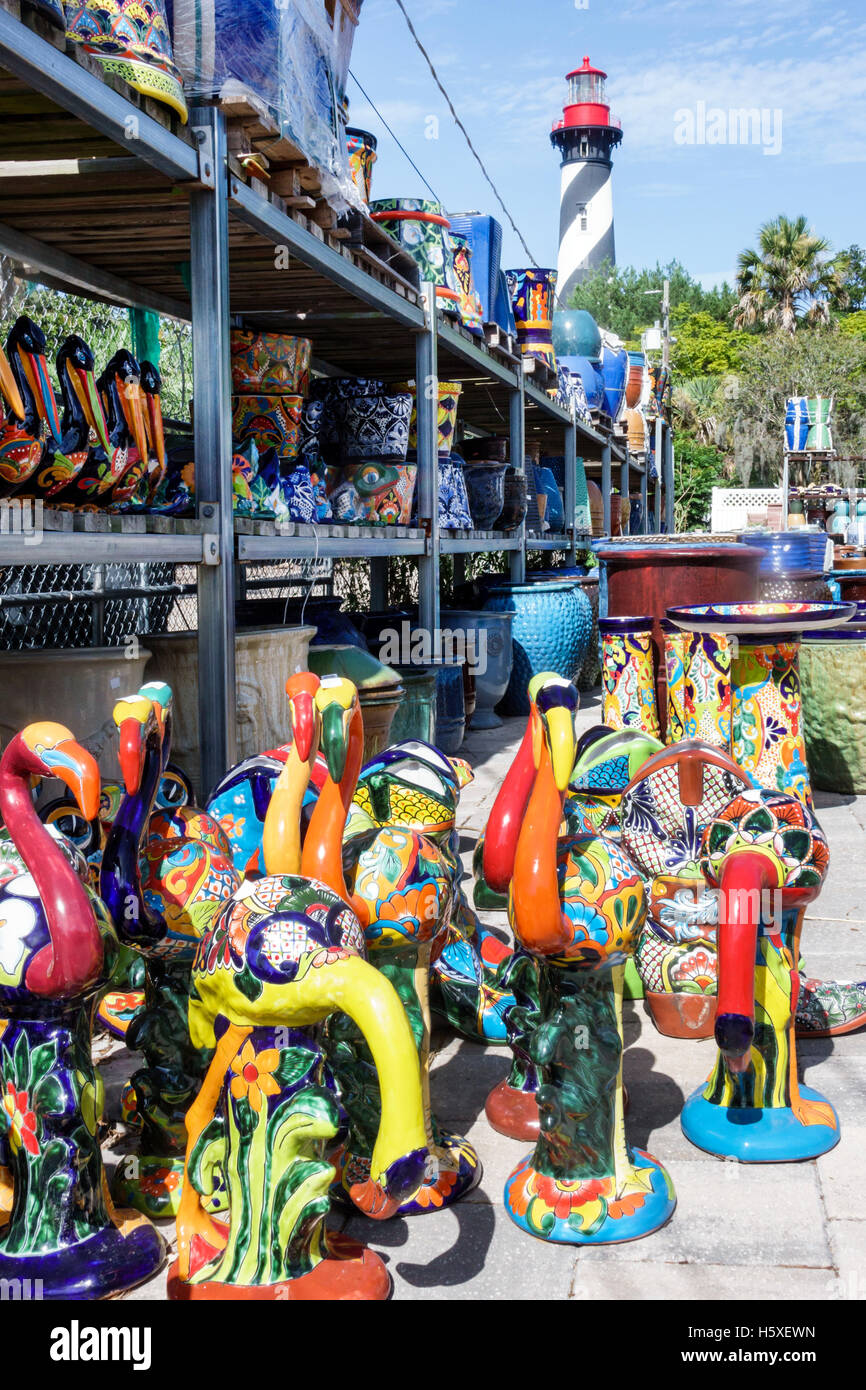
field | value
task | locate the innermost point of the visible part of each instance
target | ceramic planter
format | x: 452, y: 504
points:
x: 361, y: 149
x: 449, y: 399
x: 628, y: 683
x: 614, y: 370
x: 484, y: 236
x: 707, y: 689
x: 470, y: 303
x: 676, y: 654
x: 546, y: 484
x: 454, y: 513
x: 273, y: 422
x: 384, y: 491
x: 450, y: 707
x: 495, y: 659
x: 638, y: 432
x: 485, y: 486
x: 422, y: 228
x: 269, y: 364
x: 532, y: 298
x: 131, y: 40
x: 637, y: 380
x: 551, y: 629
x: 515, y: 501
x: 264, y: 658
x: 834, y: 711
x: 416, y: 716
x: 376, y: 426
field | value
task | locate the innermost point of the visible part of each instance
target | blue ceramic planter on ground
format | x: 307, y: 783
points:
x: 551, y: 630
x: 450, y: 707
x: 490, y: 634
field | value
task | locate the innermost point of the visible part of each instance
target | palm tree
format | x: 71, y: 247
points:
x: 696, y: 408
x: 790, y: 277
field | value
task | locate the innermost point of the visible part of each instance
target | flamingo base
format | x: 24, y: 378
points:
x: 452, y: 1182
x: 350, y: 1273
x: 591, y: 1210
x: 151, y: 1185
x: 752, y: 1135
x: 512, y: 1112
x: 107, y: 1263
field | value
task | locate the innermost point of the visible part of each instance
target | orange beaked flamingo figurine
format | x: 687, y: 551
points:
x: 57, y: 950
x: 27, y: 388
x: 285, y: 954
x: 402, y: 893
x: 578, y: 905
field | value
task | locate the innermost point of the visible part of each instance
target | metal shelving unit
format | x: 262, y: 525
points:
x: 105, y: 195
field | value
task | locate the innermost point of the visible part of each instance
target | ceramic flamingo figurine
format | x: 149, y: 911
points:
x: 401, y: 893
x: 57, y: 948
x: 30, y: 395
x: 767, y: 855
x: 578, y: 905
x: 162, y: 887
x: 281, y: 957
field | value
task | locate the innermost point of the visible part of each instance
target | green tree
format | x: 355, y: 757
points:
x: 697, y: 409
x: 789, y: 278
x: 852, y: 263
x: 699, y: 468
x: 704, y: 345
x: 854, y: 325
x: 624, y: 299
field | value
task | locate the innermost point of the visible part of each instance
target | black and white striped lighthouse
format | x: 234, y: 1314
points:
x: 586, y: 138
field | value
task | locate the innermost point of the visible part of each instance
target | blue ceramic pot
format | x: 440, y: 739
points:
x: 334, y: 628
x: 450, y: 707
x: 485, y: 488
x: 614, y: 369
x: 454, y: 512
x: 551, y: 631
x: 576, y: 334
x: 377, y: 426
x: 789, y: 550
x: 545, y: 483
x: 590, y: 376
x: 492, y: 649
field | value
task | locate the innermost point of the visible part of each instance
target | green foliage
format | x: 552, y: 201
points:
x: 790, y: 278
x: 618, y: 298
x: 699, y: 468
x: 854, y: 325
x: 704, y: 345
x: 853, y: 266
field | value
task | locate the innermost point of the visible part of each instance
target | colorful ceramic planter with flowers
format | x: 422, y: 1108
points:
x: 132, y: 40
x: 269, y: 364
x: 532, y: 297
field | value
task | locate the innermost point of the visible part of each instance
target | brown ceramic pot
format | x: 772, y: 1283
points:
x: 682, y: 1015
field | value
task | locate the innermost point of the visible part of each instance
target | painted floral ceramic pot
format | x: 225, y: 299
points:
x: 532, y: 298
x: 132, y: 40
x: 676, y: 652
x: 551, y: 628
x: 361, y: 148
x: 485, y: 486
x: 269, y: 364
x: 449, y: 399
x: 470, y: 303
x: 377, y: 426
x: 312, y: 412
x: 628, y: 685
x: 490, y: 636
x: 707, y: 689
x: 383, y: 491
x: 274, y: 422
x: 422, y: 228
x: 454, y: 513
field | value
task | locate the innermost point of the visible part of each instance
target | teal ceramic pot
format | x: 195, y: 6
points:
x: 490, y: 636
x: 551, y: 631
x: 576, y: 334
x: 416, y: 716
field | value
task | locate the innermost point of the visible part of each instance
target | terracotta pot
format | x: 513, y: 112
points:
x: 78, y: 687
x: 264, y: 658
x: 682, y: 1015
x: 596, y: 507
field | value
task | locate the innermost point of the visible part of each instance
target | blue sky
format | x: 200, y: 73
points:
x: 504, y: 61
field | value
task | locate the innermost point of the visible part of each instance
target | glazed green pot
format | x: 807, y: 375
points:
x: 833, y: 690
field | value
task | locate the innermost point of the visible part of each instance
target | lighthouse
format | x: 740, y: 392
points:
x: 586, y: 138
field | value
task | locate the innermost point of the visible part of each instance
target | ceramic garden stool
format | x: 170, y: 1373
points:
x: 768, y: 857
x: 676, y: 652
x: 628, y: 681
x: 766, y: 714
x: 662, y: 816
x: 707, y: 688
x: 578, y: 905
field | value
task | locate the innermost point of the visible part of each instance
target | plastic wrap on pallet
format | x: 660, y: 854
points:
x: 283, y: 55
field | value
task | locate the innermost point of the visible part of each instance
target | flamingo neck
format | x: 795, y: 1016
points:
x: 281, y: 840
x: 323, y: 847
x: 536, y: 906
x: 74, y: 957
x: 744, y: 877
x: 506, y: 817
x: 120, y: 873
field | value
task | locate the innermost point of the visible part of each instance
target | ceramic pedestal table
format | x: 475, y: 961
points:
x: 767, y: 736
x: 707, y: 689
x: 628, y: 685
x: 651, y: 575
x: 676, y: 650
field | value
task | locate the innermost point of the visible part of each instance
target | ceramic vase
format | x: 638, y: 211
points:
x: 377, y: 426
x: 454, y: 513
x: 416, y: 717
x: 132, y: 40
x: 485, y: 485
x: 766, y: 716
x: 361, y: 149
x: 269, y: 364
x: 614, y: 370
x: 532, y: 298
x: 707, y: 689
x: 515, y: 502
x: 628, y: 682
x: 422, y: 228
x: 551, y: 629
x: 470, y: 303
x: 449, y: 400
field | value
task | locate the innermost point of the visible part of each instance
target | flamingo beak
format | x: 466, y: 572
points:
x: 559, y: 724
x: 303, y: 725
x: 9, y: 387
x: 335, y: 739
x: 132, y: 404
x: 77, y: 768
x: 35, y: 369
x: 155, y: 432
x: 84, y: 385
x: 130, y: 753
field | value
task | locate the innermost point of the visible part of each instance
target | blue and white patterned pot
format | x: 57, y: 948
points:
x: 551, y: 631
x: 485, y: 487
x: 454, y: 511
x: 376, y: 426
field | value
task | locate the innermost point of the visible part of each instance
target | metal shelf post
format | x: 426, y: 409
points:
x: 209, y: 292
x: 427, y: 404
x: 517, y: 431
x: 605, y: 488
x: 570, y: 497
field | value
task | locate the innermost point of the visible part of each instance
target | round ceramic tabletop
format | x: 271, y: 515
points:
x: 770, y: 620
